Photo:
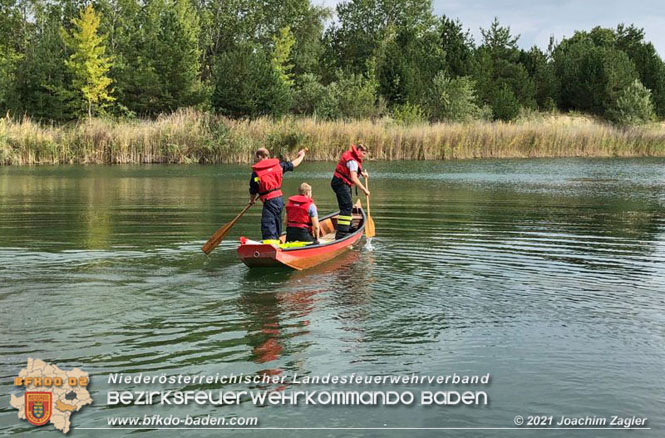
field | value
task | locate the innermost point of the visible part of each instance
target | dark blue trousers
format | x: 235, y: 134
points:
x: 345, y: 203
x: 271, y: 218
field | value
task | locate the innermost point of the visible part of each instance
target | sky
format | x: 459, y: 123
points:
x: 536, y: 20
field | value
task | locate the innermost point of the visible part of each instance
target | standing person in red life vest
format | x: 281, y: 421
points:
x: 266, y: 184
x: 345, y: 177
x: 302, y: 219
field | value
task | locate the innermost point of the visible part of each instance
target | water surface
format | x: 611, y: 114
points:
x: 547, y: 274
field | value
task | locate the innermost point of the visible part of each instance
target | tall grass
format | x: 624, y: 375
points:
x: 189, y: 136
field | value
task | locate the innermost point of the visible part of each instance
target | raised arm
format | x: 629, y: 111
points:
x: 301, y: 156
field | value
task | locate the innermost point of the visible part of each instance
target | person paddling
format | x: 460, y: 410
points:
x: 302, y: 219
x: 345, y: 177
x: 266, y: 184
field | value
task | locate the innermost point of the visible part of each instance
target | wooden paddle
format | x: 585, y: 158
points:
x: 219, y: 235
x: 369, y: 226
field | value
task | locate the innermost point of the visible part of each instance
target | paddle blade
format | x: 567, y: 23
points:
x: 216, y: 238
x: 219, y: 235
x: 369, y: 227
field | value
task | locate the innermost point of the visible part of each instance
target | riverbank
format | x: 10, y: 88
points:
x: 195, y: 137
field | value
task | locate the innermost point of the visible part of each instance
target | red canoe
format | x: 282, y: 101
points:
x: 257, y: 254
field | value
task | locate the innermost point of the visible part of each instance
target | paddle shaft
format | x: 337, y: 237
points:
x: 367, y: 196
x: 369, y: 227
x: 219, y: 235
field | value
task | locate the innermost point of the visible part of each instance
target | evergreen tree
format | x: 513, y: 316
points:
x: 457, y: 45
x: 174, y: 54
x: 407, y: 63
x: 282, y: 45
x: 650, y: 67
x: 246, y: 84
x: 453, y: 99
x: 500, y: 76
x: 11, y: 37
x: 136, y: 84
x: 41, y: 81
x: 363, y: 26
x: 591, y: 75
x: 541, y: 69
x: 88, y: 62
x: 633, y: 106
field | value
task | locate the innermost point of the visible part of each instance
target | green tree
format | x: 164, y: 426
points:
x: 136, y: 83
x: 407, y: 63
x: 230, y: 24
x: 499, y: 75
x: 40, y: 82
x: 175, y: 55
x: 457, y: 45
x: 355, y: 94
x: 363, y: 26
x: 308, y: 93
x: 633, y: 106
x: 505, y: 105
x: 11, y: 47
x: 282, y: 45
x: 246, y: 84
x: 591, y: 75
x: 650, y: 67
x: 453, y: 99
x: 88, y: 62
x: 540, y: 67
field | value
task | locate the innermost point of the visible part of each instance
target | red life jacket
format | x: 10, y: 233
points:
x: 342, y: 171
x: 297, y: 214
x: 269, y: 173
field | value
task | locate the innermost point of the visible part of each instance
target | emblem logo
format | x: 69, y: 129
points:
x: 38, y: 407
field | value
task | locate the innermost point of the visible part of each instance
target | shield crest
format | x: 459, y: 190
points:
x: 38, y: 407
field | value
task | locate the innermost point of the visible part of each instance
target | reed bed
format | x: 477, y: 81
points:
x: 189, y: 136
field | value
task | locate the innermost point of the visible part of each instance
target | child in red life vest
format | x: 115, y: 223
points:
x: 266, y: 184
x: 302, y: 219
x: 345, y: 177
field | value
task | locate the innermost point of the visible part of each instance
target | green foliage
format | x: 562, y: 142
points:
x: 633, y: 106
x: 313, y: 98
x: 398, y: 39
x: 591, y: 75
x: 88, y: 62
x: 227, y: 25
x: 176, y: 55
x: 355, y: 94
x: 499, y: 74
x: 505, y: 105
x: 41, y: 81
x: 409, y: 114
x: 249, y: 58
x: 650, y: 67
x: 541, y: 69
x: 499, y: 42
x: 406, y: 63
x: 349, y: 96
x: 11, y: 24
x: 8, y: 59
x: 283, y: 43
x: 453, y: 99
x: 286, y: 139
x: 246, y: 84
x: 457, y: 45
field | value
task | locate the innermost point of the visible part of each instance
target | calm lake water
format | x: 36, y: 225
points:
x: 547, y: 274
